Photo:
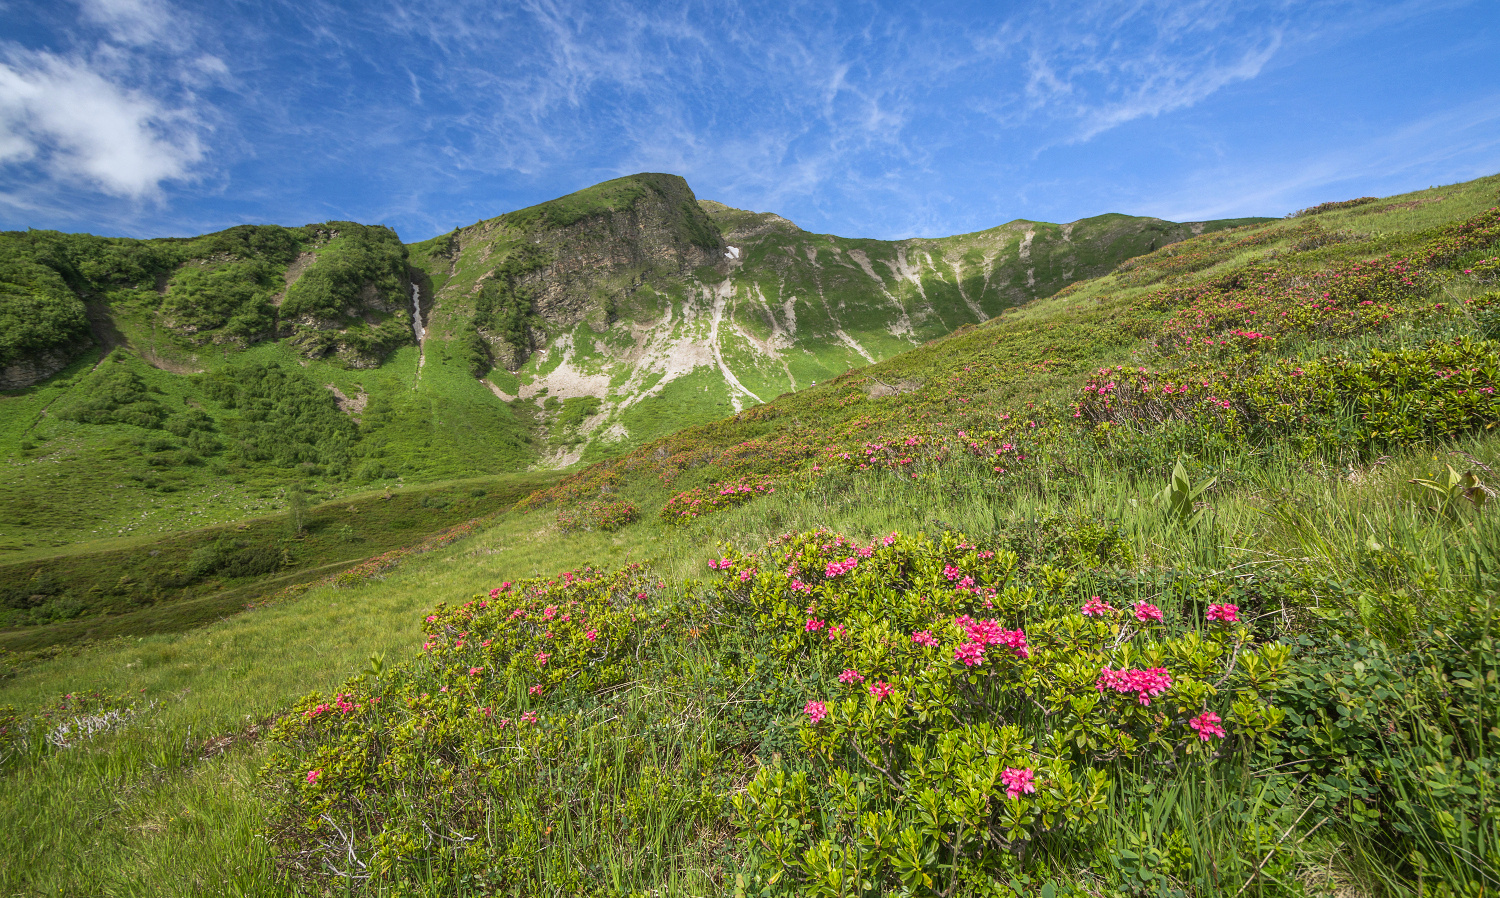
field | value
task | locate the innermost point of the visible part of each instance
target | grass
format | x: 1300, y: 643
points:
x: 1338, y: 550
x: 152, y: 585
x: 107, y: 817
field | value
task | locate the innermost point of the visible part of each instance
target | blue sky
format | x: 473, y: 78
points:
x: 159, y: 118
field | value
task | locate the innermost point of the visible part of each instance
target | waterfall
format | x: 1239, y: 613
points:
x: 416, y: 313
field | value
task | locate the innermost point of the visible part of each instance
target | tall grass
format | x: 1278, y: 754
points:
x: 168, y: 805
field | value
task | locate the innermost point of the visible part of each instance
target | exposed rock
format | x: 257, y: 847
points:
x: 36, y: 368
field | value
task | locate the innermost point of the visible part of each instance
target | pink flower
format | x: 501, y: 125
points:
x: 1095, y: 607
x: 1207, y: 725
x: 1227, y: 613
x: 851, y: 676
x: 541, y: 658
x: 839, y: 568
x: 431, y: 618
x: 813, y: 625
x: 836, y: 631
x: 924, y: 637
x: 591, y: 635
x: 1147, y: 684
x: 475, y: 671
x: 312, y: 775
x: 1017, y: 781
x: 880, y: 689
x: 528, y: 717
x: 989, y: 632
x: 815, y: 711
x: 970, y: 653
x: 536, y: 689
x: 1145, y: 611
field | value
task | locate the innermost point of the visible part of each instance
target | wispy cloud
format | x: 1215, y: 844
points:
x: 1086, y: 68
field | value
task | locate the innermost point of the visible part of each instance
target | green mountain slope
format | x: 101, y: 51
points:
x: 182, y: 382
x: 630, y: 309
x: 1215, y: 311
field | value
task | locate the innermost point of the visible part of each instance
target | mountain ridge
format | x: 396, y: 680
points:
x: 777, y: 309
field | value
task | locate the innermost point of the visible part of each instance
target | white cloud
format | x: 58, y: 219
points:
x: 84, y: 126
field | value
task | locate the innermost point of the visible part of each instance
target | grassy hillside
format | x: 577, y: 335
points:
x: 1181, y: 581
x: 140, y: 586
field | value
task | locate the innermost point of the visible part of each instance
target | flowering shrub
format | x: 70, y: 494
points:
x: 998, y: 713
x: 596, y: 515
x: 1246, y: 310
x: 479, y: 735
x: 1365, y: 403
x: 687, y: 506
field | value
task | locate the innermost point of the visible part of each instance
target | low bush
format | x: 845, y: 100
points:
x: 598, y: 515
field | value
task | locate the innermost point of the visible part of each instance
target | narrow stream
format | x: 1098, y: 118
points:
x: 416, y: 313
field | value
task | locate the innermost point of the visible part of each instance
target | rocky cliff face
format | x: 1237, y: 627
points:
x: 598, y: 260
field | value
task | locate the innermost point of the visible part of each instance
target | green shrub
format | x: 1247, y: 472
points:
x: 114, y: 394
x: 599, y: 515
x: 234, y: 297
x: 356, y: 256
x: 284, y: 418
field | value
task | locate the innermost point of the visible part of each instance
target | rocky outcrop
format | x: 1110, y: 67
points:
x: 33, y: 369
x: 602, y: 257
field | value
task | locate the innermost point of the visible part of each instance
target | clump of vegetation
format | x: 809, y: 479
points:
x: 283, y: 418
x: 597, y: 515
x: 505, y: 310
x: 1339, y: 204
x: 924, y: 714
x: 231, y: 297
x: 38, y: 312
x: 685, y: 506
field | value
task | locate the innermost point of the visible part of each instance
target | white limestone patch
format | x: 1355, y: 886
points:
x: 567, y: 381
x: 902, y: 326
x: 854, y: 345
x: 720, y: 298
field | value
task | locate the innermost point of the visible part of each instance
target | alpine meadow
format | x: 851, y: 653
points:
x: 632, y: 544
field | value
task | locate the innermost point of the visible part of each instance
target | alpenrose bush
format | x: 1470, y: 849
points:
x: 956, y: 721
x: 598, y: 515
x: 456, y: 767
x: 970, y: 724
x: 1370, y: 402
x: 689, y: 505
x: 1248, y: 309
